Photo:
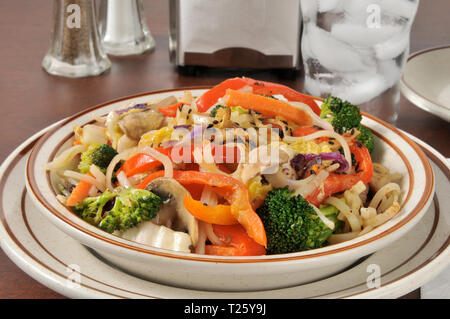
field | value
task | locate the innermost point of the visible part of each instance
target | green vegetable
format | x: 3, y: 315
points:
x: 341, y: 114
x: 213, y: 112
x: 345, y: 116
x: 129, y: 208
x: 291, y: 224
x: 98, y: 154
x: 91, y: 208
x: 366, y: 138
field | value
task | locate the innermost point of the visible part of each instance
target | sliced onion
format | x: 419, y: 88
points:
x: 65, y: 157
x: 200, y: 248
x: 93, y: 191
x: 98, y: 174
x: 123, y: 180
x: 116, y: 159
x: 86, y: 178
x: 164, y: 159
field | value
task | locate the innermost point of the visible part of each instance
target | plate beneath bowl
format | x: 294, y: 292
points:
x: 59, y: 262
x: 426, y: 81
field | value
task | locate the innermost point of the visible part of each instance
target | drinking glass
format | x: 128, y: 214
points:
x: 75, y: 49
x: 356, y: 50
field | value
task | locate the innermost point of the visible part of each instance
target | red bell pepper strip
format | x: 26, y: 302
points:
x: 241, y: 207
x: 238, y: 243
x: 142, y: 163
x: 210, y: 97
x: 336, y: 183
x: 171, y: 110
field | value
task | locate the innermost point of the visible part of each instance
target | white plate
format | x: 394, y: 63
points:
x: 45, y: 253
x: 426, y: 81
x: 246, y: 273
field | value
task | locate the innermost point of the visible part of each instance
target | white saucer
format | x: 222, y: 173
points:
x: 426, y: 81
x: 45, y: 253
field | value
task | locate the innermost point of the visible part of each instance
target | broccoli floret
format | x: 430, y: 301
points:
x: 91, y: 208
x: 131, y: 207
x: 213, y: 112
x: 341, y: 114
x: 366, y: 138
x: 345, y: 116
x: 119, y: 211
x: 291, y: 224
x: 98, y: 154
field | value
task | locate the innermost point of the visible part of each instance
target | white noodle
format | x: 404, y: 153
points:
x: 325, y: 220
x: 315, y: 182
x: 316, y: 120
x: 386, y: 215
x: 164, y: 159
x: 211, y: 235
x: 353, y: 220
x: 386, y: 189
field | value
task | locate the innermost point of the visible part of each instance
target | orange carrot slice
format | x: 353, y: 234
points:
x: 80, y: 192
x: 267, y: 106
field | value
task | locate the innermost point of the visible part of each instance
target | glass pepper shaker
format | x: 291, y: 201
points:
x: 123, y: 29
x: 75, y: 47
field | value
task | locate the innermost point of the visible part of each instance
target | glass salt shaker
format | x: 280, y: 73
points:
x: 123, y: 29
x: 75, y: 48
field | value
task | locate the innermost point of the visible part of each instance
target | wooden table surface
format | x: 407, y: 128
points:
x: 31, y: 99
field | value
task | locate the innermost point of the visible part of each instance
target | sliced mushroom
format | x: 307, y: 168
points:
x: 135, y: 124
x: 173, y: 193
